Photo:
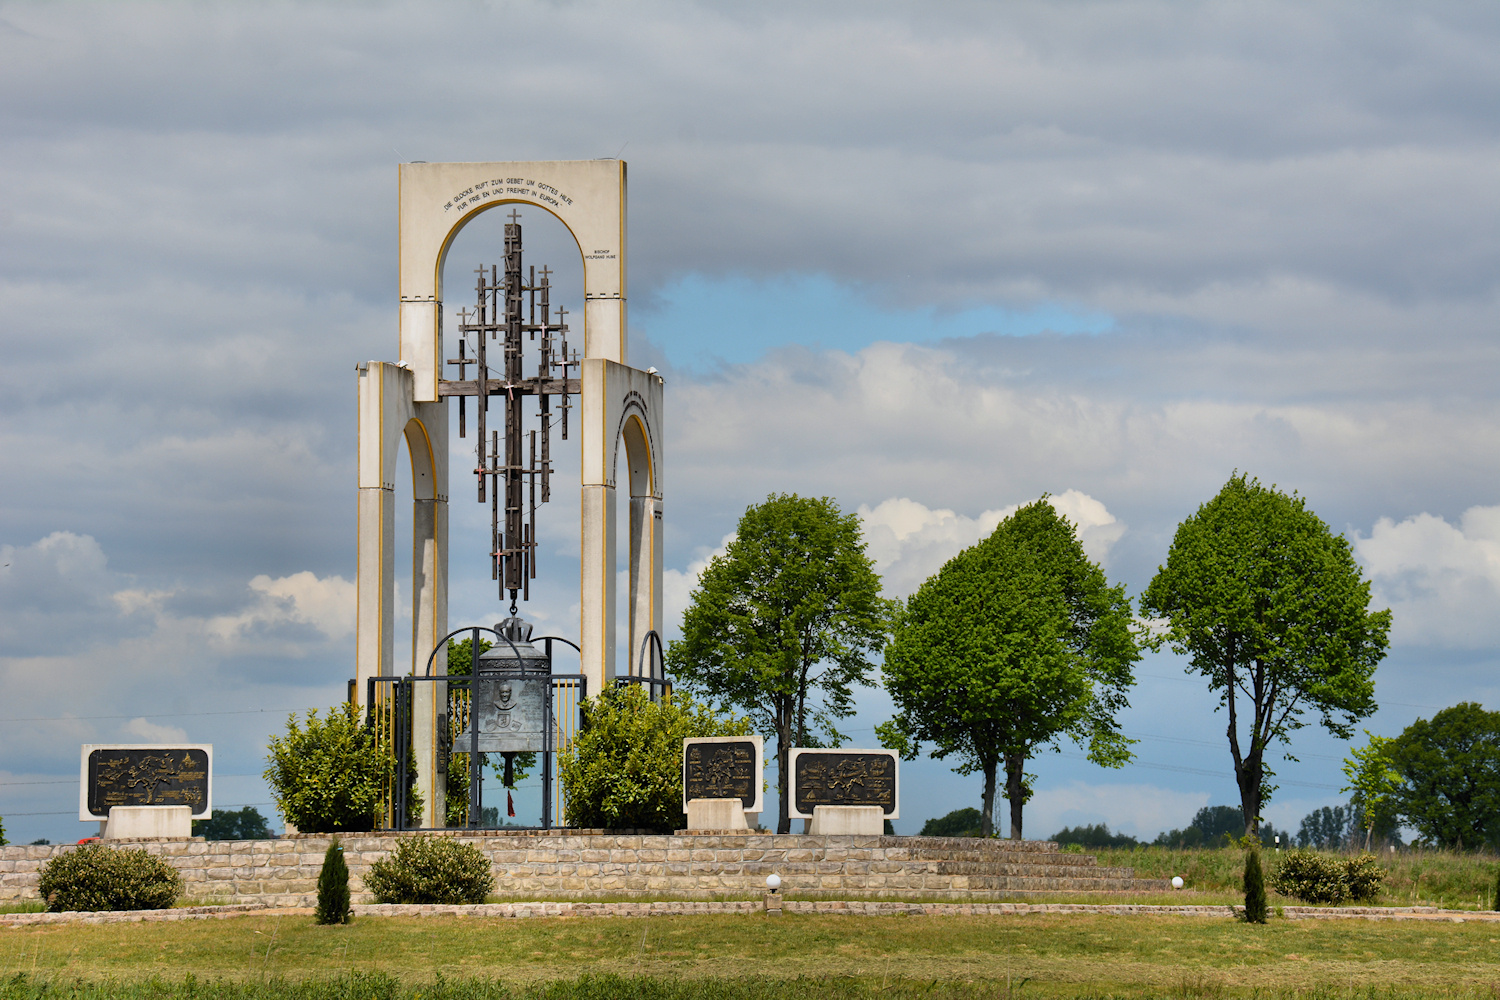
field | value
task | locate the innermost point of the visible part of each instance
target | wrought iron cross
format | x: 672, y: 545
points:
x: 506, y: 308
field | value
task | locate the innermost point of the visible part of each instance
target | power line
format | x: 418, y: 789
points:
x: 158, y: 715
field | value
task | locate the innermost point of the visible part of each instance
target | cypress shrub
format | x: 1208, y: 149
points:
x: 1497, y: 889
x: 333, y: 886
x: 1255, y: 888
x: 95, y: 877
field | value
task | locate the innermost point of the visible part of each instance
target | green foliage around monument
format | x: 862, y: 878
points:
x: 427, y: 869
x: 1016, y: 643
x: 329, y: 775
x: 96, y: 877
x: 1255, y: 887
x: 1273, y: 611
x: 784, y: 624
x: 1449, y: 776
x: 624, y: 769
x: 233, y: 824
x: 333, y: 887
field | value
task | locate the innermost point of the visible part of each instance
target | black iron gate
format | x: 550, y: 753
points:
x: 389, y: 712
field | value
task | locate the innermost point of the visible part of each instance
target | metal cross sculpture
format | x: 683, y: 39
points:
x: 508, y: 307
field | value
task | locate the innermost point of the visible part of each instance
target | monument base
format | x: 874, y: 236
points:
x: 864, y: 821
x: 148, y: 822
x: 716, y: 814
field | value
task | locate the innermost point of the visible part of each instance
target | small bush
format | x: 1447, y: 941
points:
x: 1364, y: 877
x: 1311, y: 878
x: 624, y: 768
x: 95, y: 877
x: 1314, y: 878
x: 333, y: 887
x: 431, y: 870
x: 1255, y: 887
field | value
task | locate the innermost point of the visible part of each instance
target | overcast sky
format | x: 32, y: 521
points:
x: 932, y: 261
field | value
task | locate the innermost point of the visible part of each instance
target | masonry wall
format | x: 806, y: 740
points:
x: 574, y: 865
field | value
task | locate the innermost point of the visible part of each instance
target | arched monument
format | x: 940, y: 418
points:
x: 620, y: 410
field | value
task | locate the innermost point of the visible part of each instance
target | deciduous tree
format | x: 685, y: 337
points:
x: 783, y: 625
x: 1273, y: 610
x: 1015, y: 644
x: 1450, y: 776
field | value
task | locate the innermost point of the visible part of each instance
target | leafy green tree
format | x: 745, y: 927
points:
x: 1014, y: 644
x: 1093, y: 835
x: 783, y: 625
x: 233, y: 824
x: 624, y: 769
x: 1330, y: 828
x: 959, y: 823
x: 1450, y: 776
x: 1273, y: 610
x: 1374, y: 784
x: 1218, y: 826
x: 329, y: 775
x: 3, y: 841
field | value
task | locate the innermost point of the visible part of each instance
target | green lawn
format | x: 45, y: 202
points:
x: 1421, y: 878
x: 1052, y: 955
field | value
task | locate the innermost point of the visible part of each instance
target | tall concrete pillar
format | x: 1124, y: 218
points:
x: 597, y: 585
x: 645, y: 578
x: 427, y: 442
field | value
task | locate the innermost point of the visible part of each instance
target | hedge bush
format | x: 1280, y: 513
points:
x: 96, y: 877
x: 330, y: 775
x: 431, y: 870
x: 1315, y: 878
x: 624, y: 769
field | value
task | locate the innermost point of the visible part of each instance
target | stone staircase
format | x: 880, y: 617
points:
x: 590, y: 864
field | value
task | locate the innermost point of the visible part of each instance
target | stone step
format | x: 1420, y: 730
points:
x: 1057, y: 859
x: 1031, y: 870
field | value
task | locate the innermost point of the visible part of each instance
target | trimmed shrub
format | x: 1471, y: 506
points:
x: 623, y: 771
x: 431, y: 870
x: 1364, y: 876
x: 333, y: 887
x: 1314, y: 878
x: 96, y: 877
x: 1311, y: 878
x: 329, y: 775
x: 1255, y: 888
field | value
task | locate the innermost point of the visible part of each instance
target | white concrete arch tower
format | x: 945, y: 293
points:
x: 621, y: 408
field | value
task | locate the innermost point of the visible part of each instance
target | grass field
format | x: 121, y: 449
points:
x: 794, y: 955
x: 1415, y: 878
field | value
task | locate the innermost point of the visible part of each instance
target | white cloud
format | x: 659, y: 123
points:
x: 151, y: 732
x: 909, y: 541
x: 1441, y: 581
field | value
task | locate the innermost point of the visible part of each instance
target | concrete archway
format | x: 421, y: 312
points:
x: 619, y: 405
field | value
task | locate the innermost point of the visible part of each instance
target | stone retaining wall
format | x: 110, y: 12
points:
x: 577, y: 865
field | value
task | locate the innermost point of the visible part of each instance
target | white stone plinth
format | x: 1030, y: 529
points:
x: 858, y: 820
x: 716, y: 814
x: 146, y: 822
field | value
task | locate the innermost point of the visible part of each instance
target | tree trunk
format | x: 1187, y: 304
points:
x: 1015, y: 788
x: 784, y: 779
x: 987, y: 820
x: 1247, y: 775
